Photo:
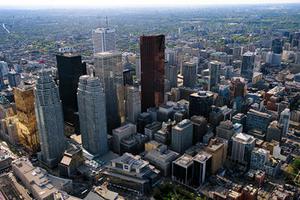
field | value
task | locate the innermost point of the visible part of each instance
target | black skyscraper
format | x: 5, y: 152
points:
x: 200, y: 103
x: 277, y: 46
x: 70, y: 68
x: 153, y: 70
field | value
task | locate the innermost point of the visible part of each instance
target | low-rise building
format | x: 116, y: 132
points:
x: 161, y: 157
x: 132, y: 173
x: 38, y: 181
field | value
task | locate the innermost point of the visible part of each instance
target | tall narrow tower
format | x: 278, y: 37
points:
x: 104, y: 39
x: 152, y: 66
x: 108, y: 68
x: 70, y: 67
x: 92, y: 115
x: 49, y: 115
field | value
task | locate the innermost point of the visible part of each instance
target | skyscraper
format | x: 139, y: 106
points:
x: 277, y: 46
x: 199, y: 128
x: 70, y: 68
x: 214, y: 75
x: 171, y: 74
x: 49, y: 115
x: 104, y: 39
x: 182, y: 136
x: 108, y: 67
x: 247, y: 65
x: 24, y: 99
x: 152, y: 66
x: 92, y: 115
x: 138, y: 67
x: 242, y: 146
x: 258, y: 120
x: 133, y: 103
x: 189, y: 73
x: 200, y: 103
x: 284, y: 120
x: 14, y: 78
x: 238, y: 87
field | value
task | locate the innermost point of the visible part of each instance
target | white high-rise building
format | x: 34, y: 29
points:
x: 133, y: 103
x: 284, y: 120
x: 242, y: 146
x: 104, y: 39
x: 138, y: 68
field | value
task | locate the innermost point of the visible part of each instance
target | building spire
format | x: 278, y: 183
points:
x: 106, y: 22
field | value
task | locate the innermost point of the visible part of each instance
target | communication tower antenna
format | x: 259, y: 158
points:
x: 106, y: 21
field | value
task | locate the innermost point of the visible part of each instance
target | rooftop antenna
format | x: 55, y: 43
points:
x: 106, y: 21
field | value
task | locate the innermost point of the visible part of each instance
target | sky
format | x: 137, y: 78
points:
x: 128, y: 3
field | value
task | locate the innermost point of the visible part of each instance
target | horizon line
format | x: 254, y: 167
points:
x: 140, y: 6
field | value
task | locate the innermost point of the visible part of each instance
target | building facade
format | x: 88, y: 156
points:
x: 108, y: 67
x: 92, y: 115
x: 70, y: 68
x: 104, y: 39
x: 49, y: 117
x: 152, y: 50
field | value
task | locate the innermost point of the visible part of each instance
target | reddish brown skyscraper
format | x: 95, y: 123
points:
x: 152, y: 70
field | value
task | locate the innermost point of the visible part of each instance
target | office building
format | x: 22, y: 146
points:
x: 238, y: 87
x: 49, y: 116
x: 200, y: 103
x: 162, y: 158
x: 104, y: 39
x: 247, y: 65
x: 134, y: 143
x: 259, y: 157
x: 38, y: 181
x: 129, y: 171
x: 199, y: 128
x: 70, y: 68
x: 165, y: 112
x: 214, y: 75
x: 242, y: 146
x: 3, y: 68
x: 258, y: 120
x: 120, y: 133
x: 217, y: 147
x: 274, y: 132
x: 182, y: 170
x: 9, y: 130
x: 71, y: 160
x: 92, y: 115
x: 225, y: 130
x: 284, y: 121
x: 239, y: 118
x: 202, y: 168
x: 108, y: 67
x: 216, y: 116
x: 189, y: 73
x: 171, y: 74
x: 138, y: 67
x: 192, y: 171
x: 152, y: 50
x: 277, y: 45
x: 142, y: 120
x: 182, y: 136
x: 14, y: 78
x: 164, y: 134
x: 28, y: 134
x: 128, y: 76
x: 151, y: 129
x: 133, y: 103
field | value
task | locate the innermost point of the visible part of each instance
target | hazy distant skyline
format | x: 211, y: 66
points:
x: 128, y: 3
